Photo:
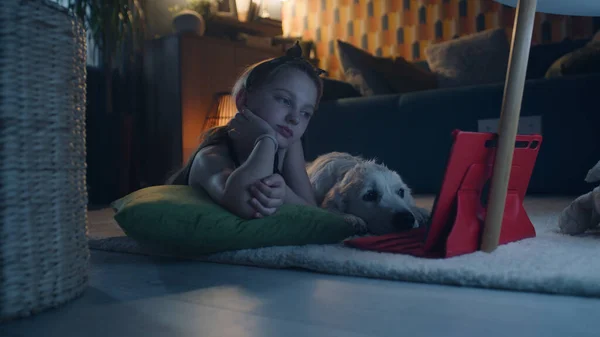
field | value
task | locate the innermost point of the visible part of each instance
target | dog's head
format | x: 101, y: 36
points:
x: 378, y: 195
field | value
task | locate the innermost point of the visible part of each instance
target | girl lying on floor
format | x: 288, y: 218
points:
x: 255, y: 163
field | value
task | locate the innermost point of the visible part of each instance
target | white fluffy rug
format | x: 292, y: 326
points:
x: 549, y: 263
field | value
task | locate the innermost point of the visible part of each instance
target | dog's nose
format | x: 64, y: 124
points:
x: 403, y: 220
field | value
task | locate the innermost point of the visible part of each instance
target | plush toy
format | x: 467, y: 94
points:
x: 584, y: 213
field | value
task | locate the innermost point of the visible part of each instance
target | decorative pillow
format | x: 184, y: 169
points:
x: 357, y: 65
x: 373, y: 75
x: 585, y: 60
x: 596, y: 37
x: 178, y: 217
x: 479, y: 58
x: 403, y: 76
x: 334, y: 89
x: 542, y: 56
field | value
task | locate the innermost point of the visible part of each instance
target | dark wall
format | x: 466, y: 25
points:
x: 102, y: 140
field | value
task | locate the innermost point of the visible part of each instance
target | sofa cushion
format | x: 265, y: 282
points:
x: 596, y: 37
x: 335, y: 89
x: 410, y: 133
x: 423, y: 65
x: 357, y: 65
x: 542, y: 56
x: 373, y: 75
x: 403, y: 76
x: 474, y: 59
x: 585, y: 60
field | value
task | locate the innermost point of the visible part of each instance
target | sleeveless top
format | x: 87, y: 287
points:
x: 183, y: 175
x: 236, y: 161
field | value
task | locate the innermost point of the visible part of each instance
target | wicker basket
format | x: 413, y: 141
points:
x: 43, y: 198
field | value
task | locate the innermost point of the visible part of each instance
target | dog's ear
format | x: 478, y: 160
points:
x: 334, y: 200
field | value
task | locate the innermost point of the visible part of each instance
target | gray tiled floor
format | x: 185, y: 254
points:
x: 146, y: 296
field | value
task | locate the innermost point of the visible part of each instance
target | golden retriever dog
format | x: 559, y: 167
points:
x: 375, y: 197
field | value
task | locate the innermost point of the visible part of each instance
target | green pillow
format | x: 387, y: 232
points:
x: 178, y: 217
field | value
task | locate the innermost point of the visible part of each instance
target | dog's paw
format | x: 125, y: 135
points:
x: 360, y: 226
x: 422, y: 216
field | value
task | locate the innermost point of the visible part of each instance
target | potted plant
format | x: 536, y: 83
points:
x: 193, y: 15
x: 117, y: 29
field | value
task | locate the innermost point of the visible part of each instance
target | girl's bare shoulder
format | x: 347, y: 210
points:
x: 213, y: 158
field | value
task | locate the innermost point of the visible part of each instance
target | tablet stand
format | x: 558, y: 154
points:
x: 458, y: 215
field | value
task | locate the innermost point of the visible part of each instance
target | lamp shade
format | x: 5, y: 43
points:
x: 562, y: 7
x: 223, y: 109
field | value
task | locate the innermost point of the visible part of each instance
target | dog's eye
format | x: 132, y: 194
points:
x: 401, y: 193
x: 370, y: 196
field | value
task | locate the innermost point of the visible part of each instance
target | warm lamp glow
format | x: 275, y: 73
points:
x: 222, y: 111
x: 242, y: 6
x: 248, y: 10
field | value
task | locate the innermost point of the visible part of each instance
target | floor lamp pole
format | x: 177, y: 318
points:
x: 509, y: 122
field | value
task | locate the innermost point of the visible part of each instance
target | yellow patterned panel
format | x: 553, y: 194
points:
x: 473, y: 9
x: 394, y: 21
x: 414, y: 5
x: 410, y: 34
x: 395, y: 5
x: 389, y: 38
x: 358, y: 11
x: 432, y: 14
x: 450, y: 29
x: 423, y: 45
x: 492, y: 20
x: 313, y: 6
x: 312, y: 21
x: 374, y: 41
x: 456, y: 19
x: 331, y: 4
x: 345, y: 16
x: 338, y: 32
x: 387, y: 51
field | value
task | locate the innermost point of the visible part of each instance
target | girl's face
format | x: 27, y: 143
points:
x: 287, y: 103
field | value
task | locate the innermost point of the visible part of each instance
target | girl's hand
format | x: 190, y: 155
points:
x: 246, y: 126
x: 268, y: 194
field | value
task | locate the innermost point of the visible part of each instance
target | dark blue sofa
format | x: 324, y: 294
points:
x: 411, y: 132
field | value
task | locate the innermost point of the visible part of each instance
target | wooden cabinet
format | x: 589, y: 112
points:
x: 183, y: 73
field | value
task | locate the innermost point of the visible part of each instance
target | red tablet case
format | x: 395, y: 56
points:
x: 459, y: 210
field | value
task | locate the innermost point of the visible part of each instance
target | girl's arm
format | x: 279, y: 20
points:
x: 212, y: 171
x: 259, y: 165
x: 299, y: 190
